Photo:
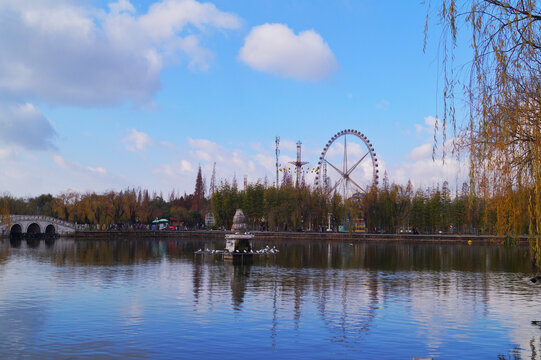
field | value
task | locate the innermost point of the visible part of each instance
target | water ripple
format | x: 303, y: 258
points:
x: 145, y: 299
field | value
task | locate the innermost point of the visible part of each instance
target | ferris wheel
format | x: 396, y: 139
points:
x: 347, y: 164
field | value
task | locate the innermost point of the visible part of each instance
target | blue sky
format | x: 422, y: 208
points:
x: 101, y: 95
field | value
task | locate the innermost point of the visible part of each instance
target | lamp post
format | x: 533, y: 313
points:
x: 329, y: 222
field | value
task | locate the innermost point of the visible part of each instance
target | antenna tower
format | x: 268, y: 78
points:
x: 277, y: 141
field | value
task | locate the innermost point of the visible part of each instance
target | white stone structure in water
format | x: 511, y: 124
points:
x: 239, y: 222
x: 239, y: 241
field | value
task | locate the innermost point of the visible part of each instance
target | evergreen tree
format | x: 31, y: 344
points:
x: 212, y: 187
x: 199, y: 192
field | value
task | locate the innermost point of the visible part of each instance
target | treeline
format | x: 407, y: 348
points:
x: 129, y: 206
x: 390, y: 208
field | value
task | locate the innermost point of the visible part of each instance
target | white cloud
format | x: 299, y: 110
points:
x: 207, y: 150
x: 421, y: 151
x: 173, y: 172
x: 428, y: 126
x: 59, y: 160
x: 355, y: 149
x: 97, y: 170
x: 75, y: 167
x: 79, y: 55
x: 202, y: 155
x: 426, y: 172
x: 419, y: 165
x: 137, y: 141
x: 185, y: 165
x: 30, y: 174
x: 288, y: 145
x: 6, y: 153
x: 266, y: 160
x: 276, y: 49
x: 25, y: 126
x: 205, y: 144
x: 431, y: 120
x: 229, y: 163
x: 422, y: 170
x: 200, y: 57
x: 121, y: 6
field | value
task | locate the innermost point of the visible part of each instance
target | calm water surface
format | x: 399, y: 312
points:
x: 157, y: 299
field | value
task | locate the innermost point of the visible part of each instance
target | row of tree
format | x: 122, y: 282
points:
x: 129, y: 207
x: 390, y: 208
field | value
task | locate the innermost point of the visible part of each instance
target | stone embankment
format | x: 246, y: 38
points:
x: 308, y: 236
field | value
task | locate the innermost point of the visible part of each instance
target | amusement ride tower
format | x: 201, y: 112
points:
x: 298, y: 164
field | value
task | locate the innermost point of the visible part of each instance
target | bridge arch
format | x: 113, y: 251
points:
x: 50, y: 229
x: 16, y: 229
x: 33, y: 229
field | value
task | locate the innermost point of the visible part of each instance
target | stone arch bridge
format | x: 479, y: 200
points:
x: 35, y: 225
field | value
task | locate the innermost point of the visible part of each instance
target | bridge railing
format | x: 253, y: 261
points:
x: 15, y: 218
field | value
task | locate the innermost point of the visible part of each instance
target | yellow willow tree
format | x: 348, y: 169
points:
x: 5, y: 217
x: 502, y: 89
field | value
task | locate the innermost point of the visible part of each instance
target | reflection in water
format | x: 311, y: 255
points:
x: 239, y: 277
x: 366, y: 300
x: 33, y: 242
x: 533, y: 348
x: 49, y: 241
x: 197, y: 277
x: 327, y: 255
x: 15, y: 241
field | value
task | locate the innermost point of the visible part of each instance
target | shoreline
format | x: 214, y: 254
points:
x: 298, y: 236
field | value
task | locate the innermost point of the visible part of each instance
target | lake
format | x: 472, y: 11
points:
x: 156, y: 299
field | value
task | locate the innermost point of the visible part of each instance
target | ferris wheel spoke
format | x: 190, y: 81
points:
x: 357, y: 163
x: 345, y: 162
x: 336, y: 185
x: 357, y: 185
x: 335, y: 168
